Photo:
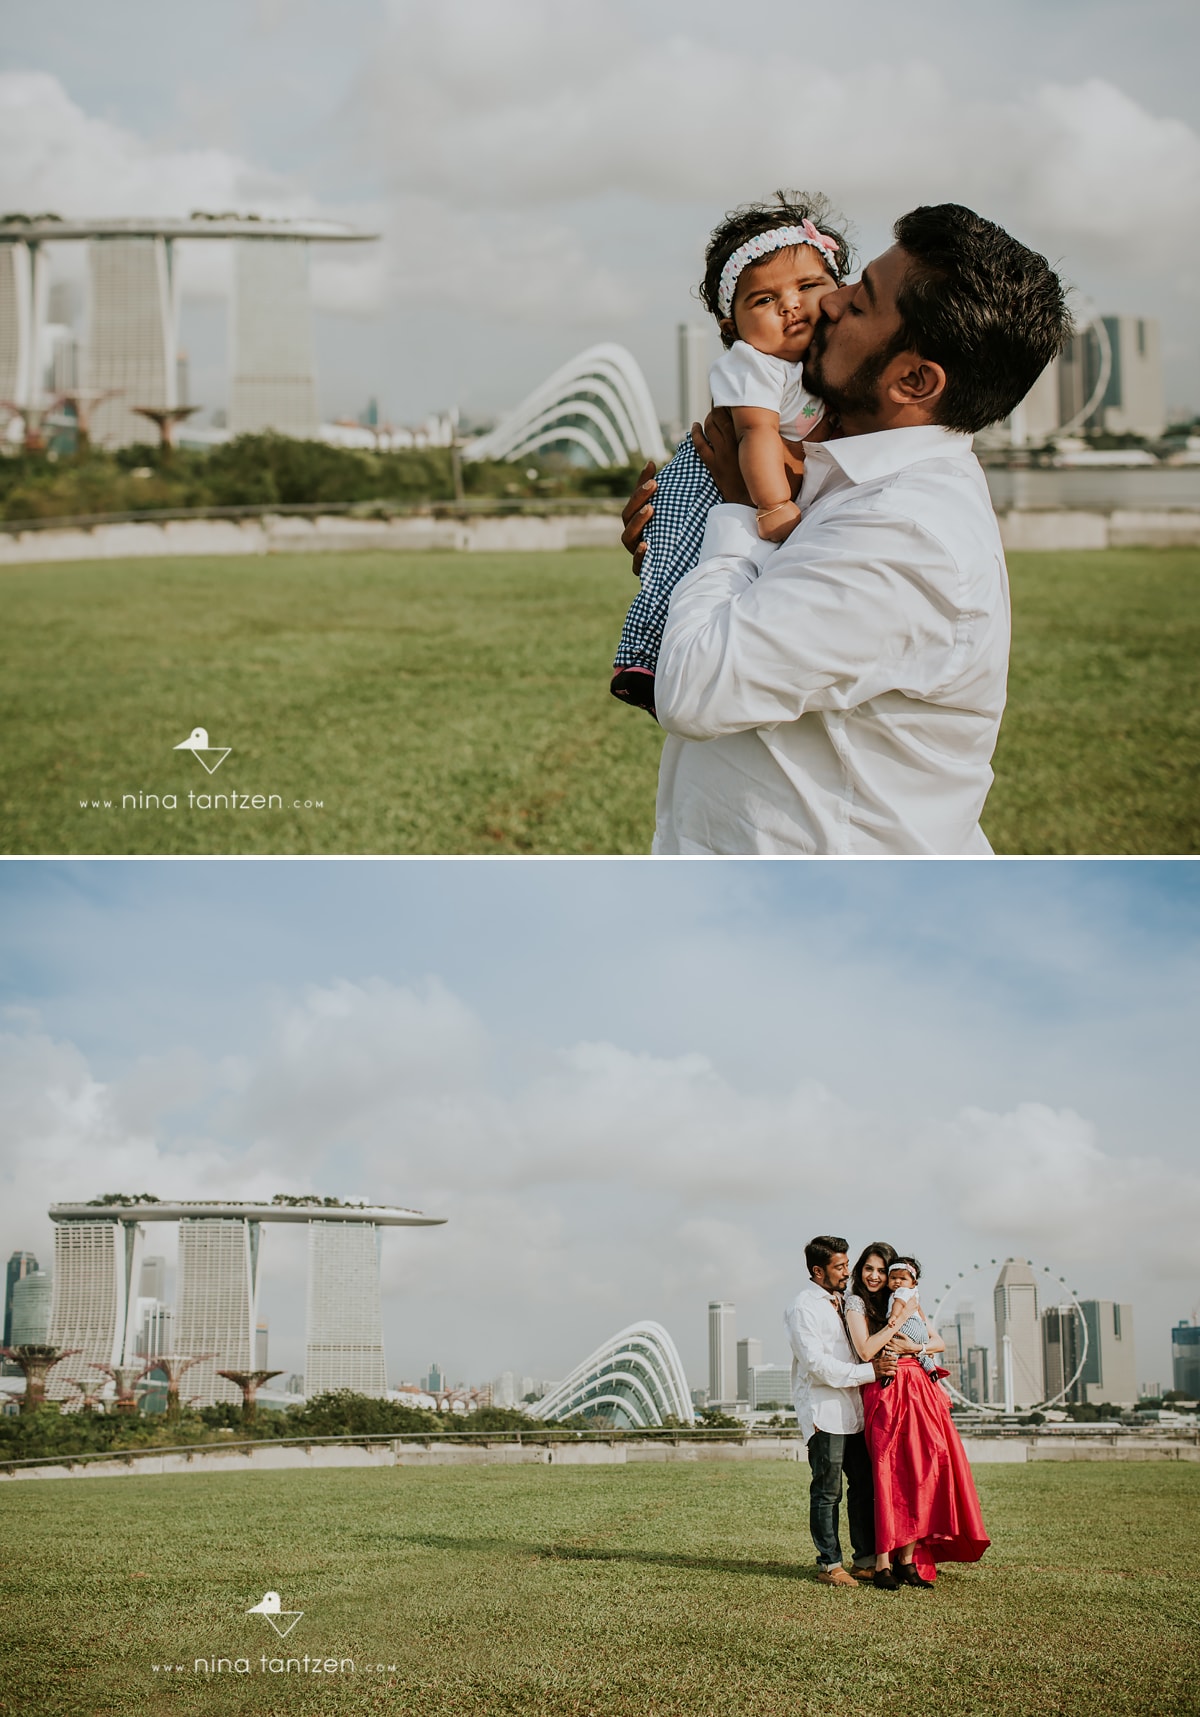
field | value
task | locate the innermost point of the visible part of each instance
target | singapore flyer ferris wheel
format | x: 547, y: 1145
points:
x: 973, y: 1278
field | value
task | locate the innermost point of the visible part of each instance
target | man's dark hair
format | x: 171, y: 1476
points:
x: 986, y: 308
x: 822, y: 1249
x: 789, y: 209
x: 911, y: 1263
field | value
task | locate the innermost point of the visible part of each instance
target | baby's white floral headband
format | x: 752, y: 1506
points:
x: 762, y: 244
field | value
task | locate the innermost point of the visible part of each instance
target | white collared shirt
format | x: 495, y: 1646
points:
x: 826, y: 1374
x: 841, y: 693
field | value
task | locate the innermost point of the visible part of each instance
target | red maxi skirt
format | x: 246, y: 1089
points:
x: 924, y: 1492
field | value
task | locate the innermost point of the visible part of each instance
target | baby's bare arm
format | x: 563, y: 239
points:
x: 766, y: 470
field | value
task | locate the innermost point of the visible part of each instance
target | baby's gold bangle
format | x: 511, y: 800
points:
x: 765, y: 512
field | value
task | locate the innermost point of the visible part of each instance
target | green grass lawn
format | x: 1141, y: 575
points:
x: 608, y: 1591
x: 458, y: 704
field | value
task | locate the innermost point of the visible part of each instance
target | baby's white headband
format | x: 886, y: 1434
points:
x: 901, y: 1265
x: 762, y: 244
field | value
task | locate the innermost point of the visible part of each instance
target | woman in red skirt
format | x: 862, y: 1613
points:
x: 926, y: 1507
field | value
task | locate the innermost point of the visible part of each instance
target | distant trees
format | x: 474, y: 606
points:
x: 278, y: 470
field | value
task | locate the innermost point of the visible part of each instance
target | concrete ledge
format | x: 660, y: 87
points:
x: 289, y: 534
x: 275, y: 1458
x: 516, y: 534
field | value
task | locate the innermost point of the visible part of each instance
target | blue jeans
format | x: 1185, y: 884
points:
x: 830, y: 1454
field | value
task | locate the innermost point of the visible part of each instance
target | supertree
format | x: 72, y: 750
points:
x: 35, y: 1360
x: 90, y: 1393
x: 249, y: 1382
x: 174, y: 1365
x: 126, y: 1378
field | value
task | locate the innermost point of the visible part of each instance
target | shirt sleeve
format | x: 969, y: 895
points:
x: 821, y: 1366
x: 841, y: 613
x: 744, y: 376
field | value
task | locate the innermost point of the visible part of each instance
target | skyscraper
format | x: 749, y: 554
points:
x: 722, y: 1352
x: 1062, y: 1345
x: 133, y: 313
x: 1110, y: 1370
x: 1018, y: 1334
x: 23, y: 281
x: 97, y: 1261
x: 217, y: 1307
x: 152, y: 1282
x: 345, y: 1313
x: 19, y: 1265
x: 1185, y: 1359
x: 31, y: 1308
x: 959, y: 1336
x: 749, y: 1354
x: 274, y: 381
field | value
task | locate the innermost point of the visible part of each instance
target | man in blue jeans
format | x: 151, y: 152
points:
x: 827, y: 1379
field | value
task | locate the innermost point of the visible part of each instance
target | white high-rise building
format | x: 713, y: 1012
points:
x: 722, y: 1352
x: 274, y: 379
x: 153, y: 1282
x: 97, y: 1263
x: 1016, y: 1303
x: 345, y: 1313
x: 217, y: 1308
x: 23, y: 287
x: 133, y: 315
x: 156, y: 1329
x: 770, y: 1386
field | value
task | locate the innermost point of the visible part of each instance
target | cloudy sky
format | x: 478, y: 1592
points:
x: 630, y: 1088
x: 544, y: 173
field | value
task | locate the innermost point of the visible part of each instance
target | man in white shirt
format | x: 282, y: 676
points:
x: 842, y: 693
x: 827, y: 1378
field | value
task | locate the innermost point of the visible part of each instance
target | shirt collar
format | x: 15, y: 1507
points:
x: 882, y: 454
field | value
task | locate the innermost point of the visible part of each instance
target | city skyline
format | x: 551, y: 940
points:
x: 539, y: 149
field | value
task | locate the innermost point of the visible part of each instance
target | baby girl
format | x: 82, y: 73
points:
x: 767, y: 268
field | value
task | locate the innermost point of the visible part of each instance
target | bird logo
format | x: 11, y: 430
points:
x: 270, y: 1608
x: 197, y: 743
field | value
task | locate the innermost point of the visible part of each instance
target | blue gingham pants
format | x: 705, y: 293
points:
x: 682, y: 500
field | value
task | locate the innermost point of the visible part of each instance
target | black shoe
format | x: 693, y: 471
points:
x: 635, y: 686
x: 884, y: 1580
x: 906, y: 1575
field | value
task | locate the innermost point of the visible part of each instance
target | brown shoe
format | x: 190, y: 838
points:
x: 863, y: 1573
x: 836, y: 1577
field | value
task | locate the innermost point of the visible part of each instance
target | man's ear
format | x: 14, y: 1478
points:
x: 915, y: 381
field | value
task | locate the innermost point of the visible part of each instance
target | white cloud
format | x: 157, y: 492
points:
x: 512, y: 107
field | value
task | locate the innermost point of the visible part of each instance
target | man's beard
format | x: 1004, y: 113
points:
x: 858, y: 395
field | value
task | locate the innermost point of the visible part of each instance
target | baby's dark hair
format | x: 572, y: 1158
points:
x: 908, y: 1264
x: 788, y: 209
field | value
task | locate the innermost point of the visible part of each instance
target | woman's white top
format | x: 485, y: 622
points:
x: 745, y: 376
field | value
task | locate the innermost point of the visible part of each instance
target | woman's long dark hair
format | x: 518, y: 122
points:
x: 876, y: 1304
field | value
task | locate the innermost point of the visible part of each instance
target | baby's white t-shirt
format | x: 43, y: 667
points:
x: 745, y: 376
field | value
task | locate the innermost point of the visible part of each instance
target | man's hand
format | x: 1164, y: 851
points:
x: 635, y: 515
x: 885, y: 1364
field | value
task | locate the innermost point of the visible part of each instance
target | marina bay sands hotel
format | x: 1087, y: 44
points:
x: 130, y: 349
x: 98, y: 1255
